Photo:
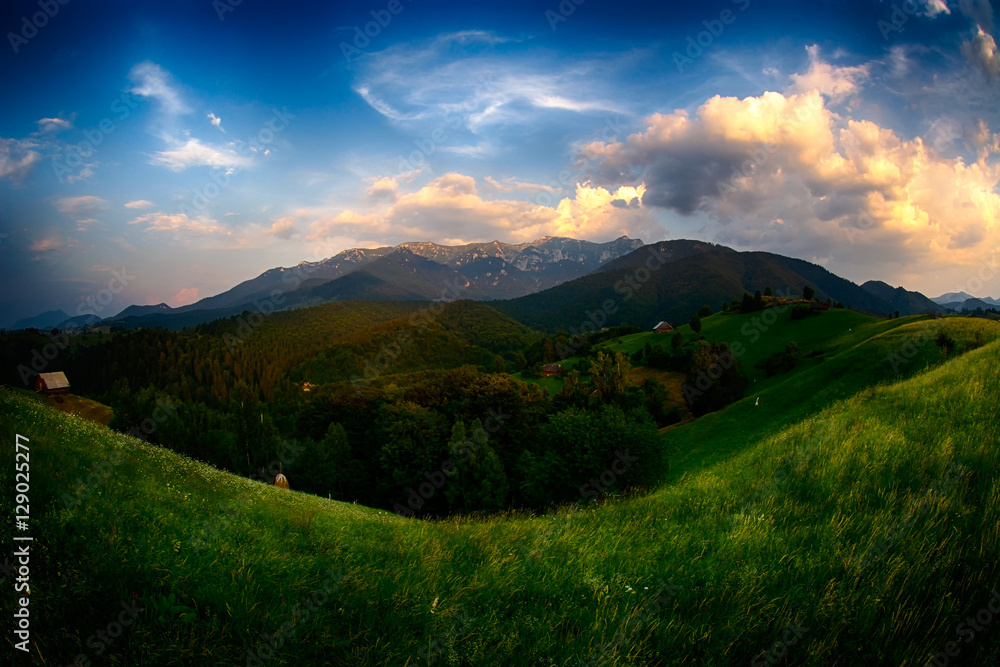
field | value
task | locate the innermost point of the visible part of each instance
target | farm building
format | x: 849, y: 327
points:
x: 52, y: 383
x: 549, y: 370
x: 663, y: 327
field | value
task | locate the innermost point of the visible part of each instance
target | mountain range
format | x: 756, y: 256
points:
x: 550, y: 283
x: 959, y: 301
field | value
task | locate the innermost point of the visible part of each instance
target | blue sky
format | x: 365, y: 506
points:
x: 192, y: 145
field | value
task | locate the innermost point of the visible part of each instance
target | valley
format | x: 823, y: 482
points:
x: 812, y: 498
x: 545, y: 334
x: 552, y: 535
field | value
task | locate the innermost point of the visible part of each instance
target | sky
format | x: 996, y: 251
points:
x: 163, y: 152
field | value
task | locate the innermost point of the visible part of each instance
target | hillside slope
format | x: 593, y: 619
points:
x: 902, y: 300
x: 671, y: 280
x: 459, y: 333
x: 871, y: 528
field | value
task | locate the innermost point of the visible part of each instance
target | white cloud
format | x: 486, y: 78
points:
x: 53, y: 125
x: 81, y: 207
x: 481, y: 149
x: 85, y: 172
x: 836, y: 83
x: 16, y: 158
x: 179, y: 223
x: 381, y: 106
x: 215, y: 120
x: 139, y: 203
x: 511, y: 184
x: 193, y: 153
x: 450, y: 82
x: 153, y: 81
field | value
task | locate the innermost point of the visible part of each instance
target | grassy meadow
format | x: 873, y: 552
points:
x: 849, y: 518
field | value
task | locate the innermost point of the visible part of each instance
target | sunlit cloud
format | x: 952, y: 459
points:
x: 385, y: 188
x: 139, y: 203
x: 80, y: 207
x: 184, y: 297
x: 511, y: 184
x: 283, y: 228
x: 785, y: 173
x: 831, y: 81
x: 981, y: 49
x: 179, y: 224
x: 934, y: 7
x: 46, y: 244
x: 450, y: 207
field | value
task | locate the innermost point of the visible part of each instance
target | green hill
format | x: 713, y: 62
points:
x: 671, y: 280
x: 867, y: 531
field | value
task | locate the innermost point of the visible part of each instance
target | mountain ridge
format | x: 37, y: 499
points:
x: 672, y: 280
x: 483, y: 270
x: 507, y: 272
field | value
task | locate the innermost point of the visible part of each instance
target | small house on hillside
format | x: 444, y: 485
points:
x: 549, y: 370
x: 663, y: 327
x: 52, y: 383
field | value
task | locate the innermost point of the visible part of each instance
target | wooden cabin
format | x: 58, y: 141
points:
x: 663, y: 327
x: 52, y: 384
x: 548, y: 370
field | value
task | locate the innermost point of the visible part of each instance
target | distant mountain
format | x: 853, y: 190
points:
x: 289, y: 278
x: 906, y: 302
x: 139, y: 311
x: 671, y: 280
x: 501, y: 280
x: 969, y: 304
x: 951, y: 298
x: 550, y: 259
x: 409, y: 271
x: 47, y: 320
x: 399, y: 276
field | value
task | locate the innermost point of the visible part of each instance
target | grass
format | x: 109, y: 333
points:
x: 73, y: 404
x: 870, y: 517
